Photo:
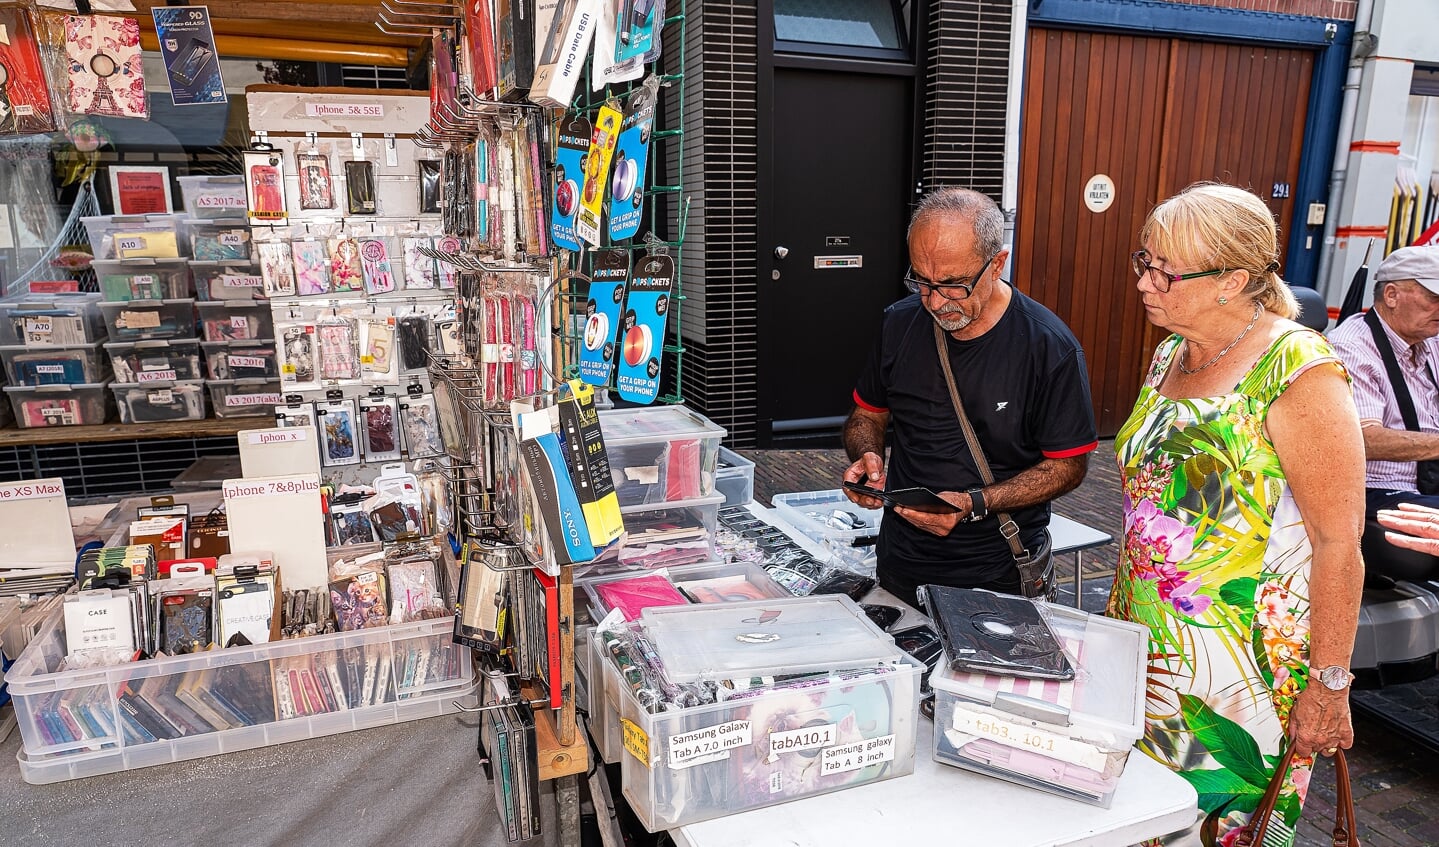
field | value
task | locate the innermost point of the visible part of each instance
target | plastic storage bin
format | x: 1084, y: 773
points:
x: 734, y: 478
x: 242, y: 359
x: 78, y: 723
x: 143, y: 279
x: 143, y: 320
x: 49, y: 320
x: 812, y: 513
x: 160, y: 401
x: 1068, y: 738
x: 77, y: 365
x: 134, y: 236
x: 220, y: 240
x: 59, y: 405
x: 690, y: 765
x: 244, y: 398
x: 661, y: 454
x: 663, y: 535
x: 711, y: 582
x: 227, y: 280
x: 213, y: 197
x: 235, y: 321
x: 155, y: 361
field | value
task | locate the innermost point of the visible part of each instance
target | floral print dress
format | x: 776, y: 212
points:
x: 1215, y: 562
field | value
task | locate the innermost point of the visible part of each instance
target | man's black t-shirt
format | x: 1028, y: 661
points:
x: 1025, y: 389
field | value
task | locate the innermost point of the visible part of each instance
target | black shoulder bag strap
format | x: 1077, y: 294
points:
x: 1426, y: 472
x: 1024, y: 560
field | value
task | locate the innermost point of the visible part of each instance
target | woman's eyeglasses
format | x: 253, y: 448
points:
x: 1139, y: 260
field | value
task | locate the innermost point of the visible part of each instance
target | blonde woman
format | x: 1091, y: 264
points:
x: 1243, y: 473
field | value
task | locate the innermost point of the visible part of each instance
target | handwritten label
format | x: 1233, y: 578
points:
x: 807, y: 738
x: 239, y: 489
x: 344, y: 110
x: 1049, y: 744
x: 856, y: 756
x: 636, y: 741
x: 165, y: 375
x: 245, y: 361
x: 33, y: 490
x: 241, y: 281
x: 707, y: 745
x: 289, y: 436
x: 233, y: 400
x: 138, y: 320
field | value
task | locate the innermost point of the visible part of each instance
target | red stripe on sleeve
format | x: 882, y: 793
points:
x: 859, y: 401
x: 1073, y: 451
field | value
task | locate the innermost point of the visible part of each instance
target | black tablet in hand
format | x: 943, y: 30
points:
x: 918, y: 498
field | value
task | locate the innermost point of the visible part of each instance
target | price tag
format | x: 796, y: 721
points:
x: 162, y: 375
x: 860, y: 754
x: 707, y: 745
x: 233, y: 238
x: 233, y: 400
x: 239, y: 489
x: 163, y: 396
x: 138, y: 320
x: 33, y: 490
x: 1049, y: 744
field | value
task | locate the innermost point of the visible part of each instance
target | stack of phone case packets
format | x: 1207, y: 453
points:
x: 734, y: 706
x: 1069, y: 737
x: 50, y: 346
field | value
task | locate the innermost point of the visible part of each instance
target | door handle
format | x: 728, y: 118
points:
x: 781, y: 252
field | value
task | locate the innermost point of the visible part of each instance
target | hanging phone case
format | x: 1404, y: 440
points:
x: 338, y: 342
x: 104, y: 72
x: 429, y: 171
x: 381, y: 427
x: 315, y: 186
x: 277, y: 271
x: 414, y: 341
x: 338, y: 433
x: 346, y: 271
x: 360, y: 187
x: 419, y: 419
x: 312, y: 267
x: 298, y: 360
x: 420, y: 269
x: 379, y: 361
x: 449, y: 274
x: 375, y: 265
x: 25, y: 105
x: 265, y: 186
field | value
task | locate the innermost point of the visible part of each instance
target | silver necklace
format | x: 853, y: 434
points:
x: 1192, y: 371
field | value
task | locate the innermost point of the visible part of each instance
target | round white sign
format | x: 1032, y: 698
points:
x: 1099, y: 193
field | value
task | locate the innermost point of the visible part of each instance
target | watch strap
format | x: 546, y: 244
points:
x: 978, y: 511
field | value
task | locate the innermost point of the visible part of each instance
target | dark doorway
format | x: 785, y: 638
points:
x: 836, y: 181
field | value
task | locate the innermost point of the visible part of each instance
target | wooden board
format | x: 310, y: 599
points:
x: 556, y: 759
x: 14, y: 437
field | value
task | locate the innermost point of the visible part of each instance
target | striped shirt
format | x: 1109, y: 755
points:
x: 1374, y: 398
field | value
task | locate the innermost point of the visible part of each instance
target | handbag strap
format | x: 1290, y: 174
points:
x: 1007, y: 527
x: 1346, y: 833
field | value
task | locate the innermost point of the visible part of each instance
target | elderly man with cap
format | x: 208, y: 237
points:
x: 1393, y: 355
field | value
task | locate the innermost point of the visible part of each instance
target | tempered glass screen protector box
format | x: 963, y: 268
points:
x: 1069, y: 738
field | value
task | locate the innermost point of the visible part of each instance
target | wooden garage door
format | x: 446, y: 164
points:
x: 1154, y: 114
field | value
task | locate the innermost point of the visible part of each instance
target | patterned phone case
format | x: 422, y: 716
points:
x: 375, y: 265
x: 276, y: 268
x: 312, y: 267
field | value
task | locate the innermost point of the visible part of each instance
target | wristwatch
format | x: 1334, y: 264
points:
x: 1333, y: 677
x: 977, y: 510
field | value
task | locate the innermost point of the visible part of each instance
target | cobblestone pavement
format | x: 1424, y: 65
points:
x: 1396, y: 794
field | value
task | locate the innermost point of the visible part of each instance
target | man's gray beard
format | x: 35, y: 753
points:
x: 954, y: 324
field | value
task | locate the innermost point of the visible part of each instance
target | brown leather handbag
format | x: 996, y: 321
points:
x: 1346, y: 831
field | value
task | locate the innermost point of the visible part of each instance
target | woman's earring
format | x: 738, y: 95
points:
x: 1223, y: 300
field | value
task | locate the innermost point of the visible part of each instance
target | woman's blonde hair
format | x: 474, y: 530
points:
x: 1213, y: 225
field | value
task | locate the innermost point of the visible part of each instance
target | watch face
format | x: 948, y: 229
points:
x: 1334, y: 677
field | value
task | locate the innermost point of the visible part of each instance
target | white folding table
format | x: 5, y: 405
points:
x: 1071, y: 536
x: 938, y: 804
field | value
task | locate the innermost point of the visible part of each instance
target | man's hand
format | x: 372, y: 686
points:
x: 869, y: 470
x: 939, y: 524
x: 1419, y: 526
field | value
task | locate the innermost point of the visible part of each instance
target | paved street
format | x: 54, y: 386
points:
x: 1396, y: 786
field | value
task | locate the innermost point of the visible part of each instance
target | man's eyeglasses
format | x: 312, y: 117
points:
x: 950, y: 289
x: 1139, y: 260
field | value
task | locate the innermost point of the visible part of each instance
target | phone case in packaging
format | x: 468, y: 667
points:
x: 339, y: 346
x: 381, y: 428
x: 265, y: 186
x: 375, y: 266
x: 346, y: 270
x: 419, y: 418
x: 349, y: 522
x: 414, y: 342
x: 429, y: 170
x: 276, y: 269
x: 104, y: 68
x: 338, y: 433
x: 449, y: 274
x: 312, y: 267
x: 299, y: 358
x: 379, y: 360
x: 420, y: 271
x: 314, y: 172
x: 360, y: 187
x: 295, y: 414
x: 25, y: 105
